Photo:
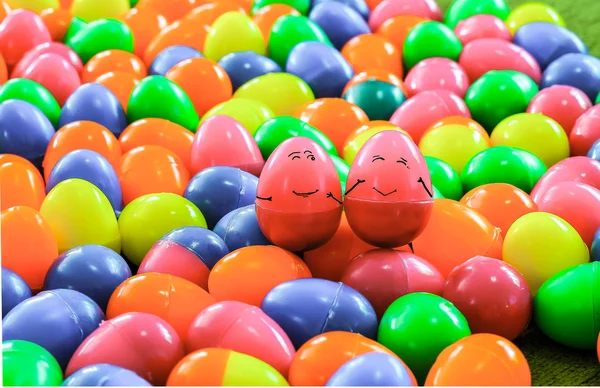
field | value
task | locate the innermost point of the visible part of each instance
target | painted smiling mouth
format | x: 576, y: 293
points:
x: 305, y: 195
x: 385, y: 194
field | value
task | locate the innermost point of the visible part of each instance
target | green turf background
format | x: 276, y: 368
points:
x: 552, y: 364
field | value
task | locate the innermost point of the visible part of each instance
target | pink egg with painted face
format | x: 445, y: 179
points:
x: 389, y: 195
x: 437, y: 73
x: 388, y: 9
x: 48, y: 48
x: 299, y: 196
x: 585, y: 132
x: 223, y: 141
x: 480, y: 27
x: 575, y: 169
x: 483, y: 55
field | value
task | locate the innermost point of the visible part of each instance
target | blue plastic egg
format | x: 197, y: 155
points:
x: 578, y: 70
x: 92, y: 167
x: 359, y: 6
x: 340, y: 22
x: 305, y: 308
x: 104, y: 375
x: 594, y: 151
x: 24, y: 131
x: 94, y: 102
x: 595, y: 250
x: 239, y: 228
x: 372, y: 370
x: 93, y: 270
x: 246, y: 65
x: 171, y: 56
x: 14, y: 290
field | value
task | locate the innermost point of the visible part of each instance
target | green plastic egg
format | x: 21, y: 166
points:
x: 463, y: 9
x: 301, y: 6
x: 77, y: 24
x: 428, y: 40
x: 436, y: 193
x: 25, y: 364
x: 418, y: 326
x: 444, y: 178
x: 379, y: 100
x: 101, y: 35
x: 567, y: 306
x: 27, y: 90
x: 158, y: 97
x: 233, y: 32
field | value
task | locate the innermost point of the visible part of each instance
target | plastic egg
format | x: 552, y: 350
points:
x: 379, y: 100
x: 24, y: 131
x: 576, y: 169
x: 27, y: 364
x: 27, y: 90
x: 386, y: 10
x: 171, y: 298
x: 396, y: 29
x: 145, y: 220
x: 595, y: 249
x: 184, y: 32
x: 220, y: 367
x: 373, y: 192
x: 384, y: 275
x: 159, y: 132
x: 14, y: 290
x: 455, y: 233
x: 437, y: 73
x: 266, y: 17
x: 464, y: 9
x: 532, y: 12
x: 564, y: 104
x: 318, y: 359
x: 243, y: 66
x: 239, y: 228
x: 547, y: 42
x: 428, y: 40
x: 372, y: 369
x: 218, y: 132
x: 535, y: 133
x: 93, y: 270
x: 155, y: 344
x: 339, y: 21
x: 424, y: 109
x: 306, y: 308
x: 231, y: 32
x: 359, y: 6
x: 577, y: 70
x: 113, y: 61
x: 55, y: 73
x: 418, y: 313
x: 444, y: 177
x: 70, y: 206
x: 565, y: 308
x: 493, y: 296
x: 585, y: 132
x: 242, y: 328
x: 21, y: 184
x: 301, y: 6
x: 299, y: 174
x: 249, y: 273
x: 540, y: 237
x: 171, y: 56
x: 101, y: 35
x: 58, y: 320
x: 89, y: 10
x: 98, y: 375
x: 21, y: 31
x: 361, y: 136
x: 480, y: 359
x: 368, y: 51
x: 248, y: 112
x: 482, y: 26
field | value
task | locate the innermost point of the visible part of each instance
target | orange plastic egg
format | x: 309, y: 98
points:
x: 171, y: 10
x: 266, y: 17
x: 112, y: 61
x: 372, y: 51
x: 21, y: 184
x: 121, y: 84
x: 396, y: 29
x: 180, y: 33
x: 58, y: 21
x: 144, y: 25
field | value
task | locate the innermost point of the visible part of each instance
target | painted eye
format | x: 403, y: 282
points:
x: 311, y: 157
x: 295, y: 157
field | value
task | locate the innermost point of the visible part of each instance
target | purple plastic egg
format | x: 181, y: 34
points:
x: 171, y: 56
x: 372, y: 370
x: 359, y: 6
x: 14, y: 290
x: 578, y: 70
x: 243, y: 66
x: 239, y: 228
x: 105, y: 375
x: 340, y: 22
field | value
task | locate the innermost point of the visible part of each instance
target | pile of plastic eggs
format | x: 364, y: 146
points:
x: 294, y: 192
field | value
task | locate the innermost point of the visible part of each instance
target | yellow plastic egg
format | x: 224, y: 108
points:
x: 233, y: 32
x: 250, y: 113
x: 533, y: 12
x: 90, y: 10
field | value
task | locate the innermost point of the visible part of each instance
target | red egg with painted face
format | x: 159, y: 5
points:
x: 299, y: 196
x: 390, y: 197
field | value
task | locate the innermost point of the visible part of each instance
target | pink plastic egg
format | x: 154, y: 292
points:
x: 54, y: 73
x: 483, y: 55
x: 562, y: 103
x: 575, y: 202
x: 47, y: 48
x: 389, y: 196
x: 21, y: 31
x: 424, y: 109
x: 140, y: 342
x: 223, y: 141
x: 492, y: 295
x: 480, y: 27
x: 585, y: 132
x: 575, y: 169
x: 437, y: 73
x: 299, y: 196
x: 384, y: 275
x: 388, y: 9
x: 243, y: 328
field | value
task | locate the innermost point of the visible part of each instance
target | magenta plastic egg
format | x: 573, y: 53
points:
x: 20, y: 31
x: 575, y: 169
x: 56, y: 74
x: 585, y: 132
x: 223, y: 141
x: 299, y: 196
x: 243, y: 328
x: 424, y: 109
x: 384, y: 275
x: 562, y: 103
x: 389, y: 197
x: 483, y: 55
x: 575, y: 202
x: 437, y: 73
x: 387, y: 9
x: 48, y: 48
x: 480, y: 27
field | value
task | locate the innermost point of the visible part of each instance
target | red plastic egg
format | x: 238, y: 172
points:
x: 223, y: 141
x: 243, y: 328
x: 21, y: 31
x: 585, y: 132
x: 47, y: 48
x: 483, y: 55
x: 437, y: 73
x: 56, y: 74
x: 562, y: 103
x: 299, y: 196
x: 384, y: 275
x: 389, y: 195
x: 482, y: 26
x: 140, y: 342
x: 576, y: 169
x: 492, y: 295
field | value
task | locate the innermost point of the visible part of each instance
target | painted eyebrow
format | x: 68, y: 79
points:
x: 309, y: 151
x: 296, y: 152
